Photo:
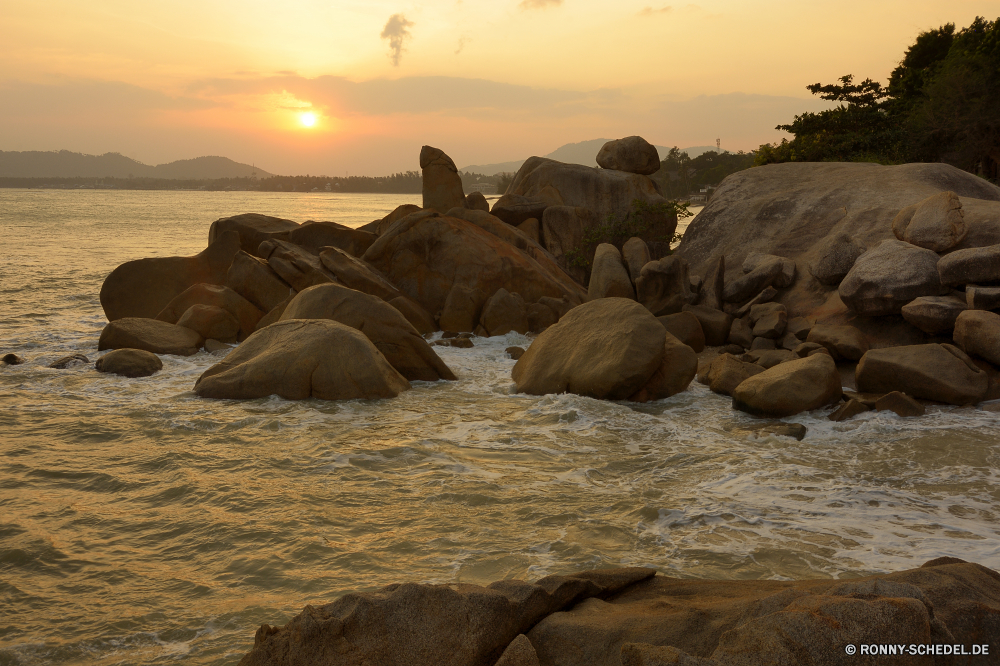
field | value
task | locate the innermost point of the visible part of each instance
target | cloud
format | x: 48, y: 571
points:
x: 649, y: 11
x: 396, y: 30
x: 539, y: 4
x: 462, y: 41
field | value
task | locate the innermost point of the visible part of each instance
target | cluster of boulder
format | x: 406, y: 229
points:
x: 634, y: 617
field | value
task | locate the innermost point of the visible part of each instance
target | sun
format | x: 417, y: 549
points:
x: 308, y: 119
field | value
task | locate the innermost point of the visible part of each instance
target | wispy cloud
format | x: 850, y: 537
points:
x: 462, y: 41
x: 539, y: 4
x: 649, y: 11
x: 396, y: 30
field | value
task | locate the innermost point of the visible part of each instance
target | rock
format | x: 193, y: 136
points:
x: 935, y: 223
x: 215, y: 347
x: 532, y: 229
x: 866, y: 399
x: 130, y: 363
x: 315, y: 236
x: 786, y: 276
x: 768, y: 358
x: 294, y: 265
x: 251, y: 278
x: 677, y: 369
x: 69, y: 361
x: 758, y: 312
x: 463, y: 343
x: 442, y: 186
x: 298, y: 359
x: 515, y: 209
x: 143, y: 287
x: 799, y: 327
x: 685, y: 327
x: 632, y: 154
x: 714, y: 286
x: 664, y: 286
x: 540, y: 317
x: 835, y: 256
x: 695, y: 286
x: 765, y: 296
x: 795, y: 430
x: 982, y: 298
x: 243, y: 312
x: 462, y: 309
x: 152, y: 335
x: 890, y: 275
x: 514, y: 352
x: 848, y: 410
x: 969, y: 266
x: 609, y: 278
x: 977, y: 332
x: 790, y: 388
x: 938, y: 372
x: 275, y: 314
x: 387, y: 329
x: 12, y: 359
x: 635, y: 254
x: 210, y: 321
x: 935, y: 315
x: 762, y: 344
x: 558, y: 305
x: 727, y: 372
x: 741, y: 333
x: 900, y: 403
x: 563, y: 228
x: 429, y: 625
x: 252, y: 230
x: 607, y: 348
x: 843, y: 342
x: 397, y: 214
x: 789, y: 342
x: 715, y: 324
x: 476, y: 201
x: 807, y: 348
x: 504, y: 312
x: 519, y: 653
x: 761, y: 277
x: 769, y: 320
x: 358, y: 275
x: 426, y: 257
x: 644, y: 654
x: 419, y: 318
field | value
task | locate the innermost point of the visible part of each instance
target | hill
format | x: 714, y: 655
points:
x: 66, y: 164
x: 584, y: 152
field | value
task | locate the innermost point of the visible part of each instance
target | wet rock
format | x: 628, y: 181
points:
x: 741, y: 333
x: 848, y: 410
x: 632, y: 154
x: 69, y: 361
x: 210, y: 321
x: 151, y: 335
x: 763, y: 344
x: 677, y: 369
x: 387, y: 329
x: 938, y: 372
x: 835, y: 258
x: 442, y: 186
x: 12, y: 359
x: 790, y: 388
x: 726, y: 372
x: 476, y: 201
x: 970, y: 266
x: 866, y: 399
x: 532, y: 229
x: 890, y: 275
x: 794, y: 430
x: 901, y: 404
x: 514, y: 352
x: 635, y: 254
x: 785, y: 277
x: 462, y: 343
x: 303, y: 358
x: 130, y: 363
x: 505, y: 312
x: 685, y: 327
x: 977, y: 332
x: 714, y: 323
x: 664, y: 286
x: 608, y: 278
x: 936, y: 223
x: 251, y: 278
x: 843, y: 342
x: 934, y: 314
x: 243, y: 312
x: 982, y: 298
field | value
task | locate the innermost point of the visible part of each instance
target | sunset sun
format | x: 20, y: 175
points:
x: 307, y: 119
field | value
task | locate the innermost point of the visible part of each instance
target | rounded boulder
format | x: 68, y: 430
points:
x: 789, y: 388
x: 129, y: 363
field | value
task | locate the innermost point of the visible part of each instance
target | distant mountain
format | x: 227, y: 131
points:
x: 66, y: 164
x: 584, y: 152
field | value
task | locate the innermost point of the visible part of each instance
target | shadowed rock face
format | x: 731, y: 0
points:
x: 442, y: 186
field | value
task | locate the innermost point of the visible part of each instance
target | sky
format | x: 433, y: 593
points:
x: 358, y: 86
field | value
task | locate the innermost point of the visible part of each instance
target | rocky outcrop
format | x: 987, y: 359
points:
x: 633, y: 154
x: 151, y: 335
x: 936, y: 223
x: 245, y: 313
x: 303, y: 358
x: 608, y: 348
x: 977, y: 332
x: 442, y: 186
x: 142, y: 288
x: 252, y: 229
x: 609, y: 278
x: 935, y: 315
x: 504, y: 312
x: 251, y: 278
x: 970, y: 266
x: 938, y: 372
x: 789, y: 388
x: 129, y: 363
x: 890, y: 275
x: 664, y: 286
x: 384, y: 325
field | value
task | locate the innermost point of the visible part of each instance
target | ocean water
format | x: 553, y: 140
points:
x: 140, y: 524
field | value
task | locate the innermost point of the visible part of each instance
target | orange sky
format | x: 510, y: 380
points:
x: 487, y: 81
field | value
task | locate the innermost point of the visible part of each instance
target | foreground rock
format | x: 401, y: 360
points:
x: 387, y: 329
x: 889, y: 276
x: 152, y: 335
x: 789, y: 388
x: 142, y: 288
x: 633, y: 154
x: 609, y: 348
x: 129, y: 363
x: 942, y: 373
x: 303, y: 358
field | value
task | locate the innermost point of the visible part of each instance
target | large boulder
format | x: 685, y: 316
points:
x: 251, y: 277
x: 678, y: 367
x: 151, y: 335
x: 303, y: 358
x: 442, y: 186
x: 296, y: 266
x: 129, y: 363
x: 386, y: 327
x: 426, y: 257
x: 936, y: 223
x: 935, y: 315
x: 844, y: 342
x: 938, y: 372
x: 609, y: 278
x: 664, y: 286
x: 242, y: 311
x: 515, y: 209
x: 715, y: 323
x: 314, y: 236
x: 504, y: 312
x: 252, y: 229
x: 977, y: 332
x: 970, y: 266
x: 633, y: 154
x: 890, y: 275
x: 726, y: 372
x: 397, y: 214
x: 789, y: 388
x: 142, y: 288
x: 608, y: 348
x: 210, y: 322
x: 462, y: 309
x: 835, y: 256
x: 685, y: 327
x: 357, y: 274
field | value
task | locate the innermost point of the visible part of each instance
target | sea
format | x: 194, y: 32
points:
x: 141, y: 524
